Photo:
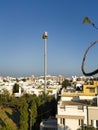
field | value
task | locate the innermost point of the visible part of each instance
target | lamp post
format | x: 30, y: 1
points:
x: 45, y: 37
x: 30, y: 119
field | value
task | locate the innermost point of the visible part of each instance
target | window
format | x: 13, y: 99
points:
x: 62, y: 107
x: 81, y: 122
x: 97, y: 123
x: 92, y: 90
x: 92, y: 122
x: 62, y: 121
x: 80, y: 107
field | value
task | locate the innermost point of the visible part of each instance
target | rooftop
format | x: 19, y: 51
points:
x: 80, y: 102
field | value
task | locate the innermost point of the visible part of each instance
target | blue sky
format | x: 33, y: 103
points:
x: 22, y: 23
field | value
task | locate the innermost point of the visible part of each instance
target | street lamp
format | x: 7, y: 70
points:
x: 30, y: 119
x: 45, y: 37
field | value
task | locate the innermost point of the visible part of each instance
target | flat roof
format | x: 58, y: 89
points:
x: 80, y: 102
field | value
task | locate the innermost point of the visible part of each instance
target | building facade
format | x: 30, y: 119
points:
x: 78, y: 109
x: 72, y: 115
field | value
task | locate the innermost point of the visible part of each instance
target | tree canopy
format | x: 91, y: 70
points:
x: 66, y: 83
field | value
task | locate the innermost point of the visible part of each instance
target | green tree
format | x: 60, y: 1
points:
x: 4, y: 97
x: 33, y: 112
x: 7, y: 127
x: 24, y: 79
x: 15, y: 102
x: 66, y: 83
x: 16, y: 88
x: 23, y: 114
x: 33, y: 104
x: 87, y: 128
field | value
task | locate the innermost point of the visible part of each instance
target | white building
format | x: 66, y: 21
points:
x: 72, y: 115
x: 7, y: 86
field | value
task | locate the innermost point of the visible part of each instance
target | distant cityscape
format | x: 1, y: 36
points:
x: 35, y: 85
x: 31, y: 85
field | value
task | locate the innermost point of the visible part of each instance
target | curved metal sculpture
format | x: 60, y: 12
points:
x: 87, y: 20
x: 85, y: 54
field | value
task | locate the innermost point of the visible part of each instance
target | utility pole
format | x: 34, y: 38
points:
x: 45, y: 37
